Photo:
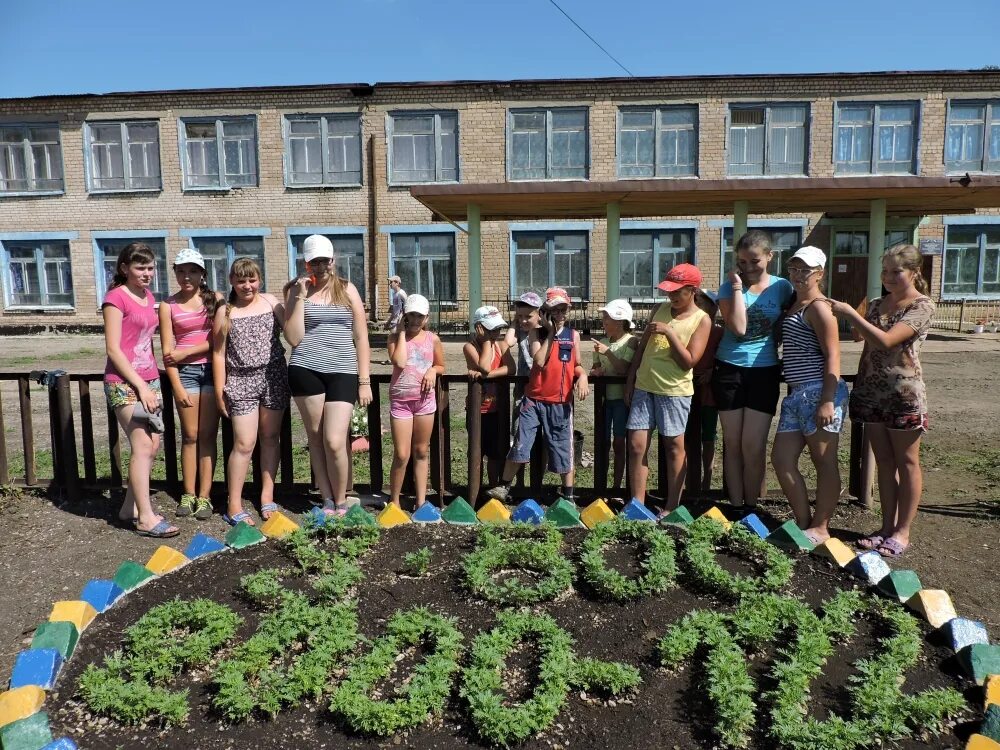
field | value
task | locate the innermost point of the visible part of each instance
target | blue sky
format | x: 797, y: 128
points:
x: 71, y: 46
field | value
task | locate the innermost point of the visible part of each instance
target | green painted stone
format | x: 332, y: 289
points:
x: 679, y: 516
x: 980, y: 660
x: 131, y: 574
x: 62, y: 636
x: 563, y: 514
x: 29, y: 733
x: 358, y: 516
x: 899, y: 585
x: 790, y: 538
x: 991, y: 723
x: 243, y: 535
x: 460, y: 513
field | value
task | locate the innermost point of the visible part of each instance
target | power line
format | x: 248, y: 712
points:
x: 584, y: 31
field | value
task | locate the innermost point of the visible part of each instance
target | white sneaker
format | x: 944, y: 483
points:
x: 500, y: 492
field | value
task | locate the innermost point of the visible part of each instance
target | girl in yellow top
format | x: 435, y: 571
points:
x: 661, y: 381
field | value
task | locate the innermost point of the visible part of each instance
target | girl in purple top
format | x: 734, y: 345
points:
x: 131, y: 379
x: 185, y: 328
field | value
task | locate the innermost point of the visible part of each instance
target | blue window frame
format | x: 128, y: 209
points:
x: 784, y: 242
x: 37, y: 271
x: 122, y: 156
x: 547, y: 144
x: 425, y: 262
x: 875, y: 138
x: 971, y: 261
x: 30, y: 158
x: 221, y: 250
x: 348, y: 255
x: 219, y: 153
x: 767, y: 139
x: 658, y: 141
x: 646, y: 255
x: 323, y: 150
x: 972, y: 137
x: 107, y: 246
x: 541, y: 259
x: 423, y: 147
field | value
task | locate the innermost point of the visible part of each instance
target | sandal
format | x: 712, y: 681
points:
x: 338, y: 511
x: 892, y: 548
x: 870, y: 542
x: 186, y: 506
x: 162, y: 530
x: 236, y: 518
x: 268, y: 508
x: 203, y: 509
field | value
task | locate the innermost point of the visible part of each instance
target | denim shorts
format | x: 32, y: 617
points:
x: 555, y: 422
x: 616, y: 416
x: 798, y: 410
x: 668, y: 414
x: 195, y: 378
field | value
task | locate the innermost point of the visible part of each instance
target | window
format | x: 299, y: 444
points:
x: 220, y: 252
x: 876, y: 138
x: 767, y: 139
x: 30, y: 159
x: 323, y: 150
x: 348, y: 255
x: 657, y: 142
x: 972, y: 141
x: 220, y: 153
x: 426, y: 264
x: 547, y: 144
x: 544, y: 259
x: 784, y: 242
x: 972, y: 262
x: 646, y: 257
x: 123, y: 156
x: 856, y: 243
x: 110, y: 248
x: 423, y: 147
x: 38, y: 273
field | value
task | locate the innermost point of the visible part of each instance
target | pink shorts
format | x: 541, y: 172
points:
x: 408, y: 408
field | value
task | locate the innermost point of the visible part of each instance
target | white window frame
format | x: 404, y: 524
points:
x: 769, y: 127
x: 220, y: 144
x: 983, y: 247
x: 660, y: 170
x: 38, y: 260
x: 90, y: 157
x: 155, y: 238
x: 336, y: 235
x: 550, y: 251
x: 549, y: 130
x: 438, y: 148
x: 991, y: 119
x: 873, y: 161
x: 417, y: 235
x: 197, y: 237
x: 27, y: 151
x: 327, y: 175
x: 770, y: 228
x: 657, y: 253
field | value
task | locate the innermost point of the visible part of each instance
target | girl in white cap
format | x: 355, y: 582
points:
x: 185, y: 329
x: 484, y: 357
x: 417, y: 359
x: 612, y: 356
x: 329, y: 369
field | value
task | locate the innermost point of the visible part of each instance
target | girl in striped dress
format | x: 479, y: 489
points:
x: 812, y: 414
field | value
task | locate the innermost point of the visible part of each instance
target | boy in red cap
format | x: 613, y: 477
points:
x: 548, y: 398
x: 661, y: 383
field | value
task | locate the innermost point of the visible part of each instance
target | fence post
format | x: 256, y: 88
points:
x: 600, y: 438
x: 375, y: 439
x: 4, y: 477
x: 69, y: 477
x: 169, y: 432
x: 87, y: 436
x: 961, y: 317
x: 474, y: 410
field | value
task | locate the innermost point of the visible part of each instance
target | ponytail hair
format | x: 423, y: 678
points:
x: 909, y: 257
x: 242, y: 268
x: 134, y: 252
x: 208, y: 297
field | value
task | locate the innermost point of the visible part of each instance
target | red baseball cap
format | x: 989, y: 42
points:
x: 681, y: 275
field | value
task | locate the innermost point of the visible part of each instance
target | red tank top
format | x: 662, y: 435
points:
x: 552, y: 382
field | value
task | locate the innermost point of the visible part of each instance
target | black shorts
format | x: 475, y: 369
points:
x: 337, y: 386
x: 757, y: 388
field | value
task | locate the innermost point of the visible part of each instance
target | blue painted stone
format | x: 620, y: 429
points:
x: 426, y: 513
x: 201, y: 545
x: 636, y: 511
x: 963, y: 632
x: 63, y: 743
x: 752, y: 521
x: 314, y: 518
x: 528, y: 512
x: 869, y: 567
x: 38, y: 666
x: 101, y: 593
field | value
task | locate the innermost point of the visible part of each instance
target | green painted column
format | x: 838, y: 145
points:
x: 876, y: 246
x: 741, y: 210
x: 613, y: 266
x: 475, y: 260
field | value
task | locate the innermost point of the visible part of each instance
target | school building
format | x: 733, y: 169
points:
x: 253, y: 171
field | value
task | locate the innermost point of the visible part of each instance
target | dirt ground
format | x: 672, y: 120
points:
x: 49, y: 549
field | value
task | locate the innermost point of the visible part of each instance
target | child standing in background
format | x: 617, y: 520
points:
x: 708, y: 414
x: 612, y: 356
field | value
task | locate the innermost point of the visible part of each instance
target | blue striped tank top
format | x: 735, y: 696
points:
x: 328, y: 343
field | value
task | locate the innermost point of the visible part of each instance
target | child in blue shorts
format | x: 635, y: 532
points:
x: 612, y: 356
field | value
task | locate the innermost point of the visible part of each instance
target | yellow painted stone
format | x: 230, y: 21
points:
x: 836, y: 550
x: 165, y: 559
x: 716, y: 515
x: 595, y: 513
x: 391, y: 516
x: 494, y: 512
x: 982, y: 742
x: 992, y: 691
x: 79, y: 613
x: 278, y: 525
x: 934, y: 605
x: 20, y: 703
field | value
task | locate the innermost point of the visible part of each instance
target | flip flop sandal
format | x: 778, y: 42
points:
x: 892, y: 548
x: 162, y: 530
x: 338, y: 512
x: 870, y: 542
x: 237, y: 517
x: 268, y: 508
x: 203, y: 509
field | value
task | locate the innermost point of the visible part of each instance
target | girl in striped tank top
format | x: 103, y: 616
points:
x: 329, y: 370
x: 185, y: 328
x: 812, y: 414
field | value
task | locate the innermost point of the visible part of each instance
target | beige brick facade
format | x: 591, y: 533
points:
x: 482, y: 109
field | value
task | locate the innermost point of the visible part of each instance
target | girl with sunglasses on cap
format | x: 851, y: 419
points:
x: 417, y: 359
x: 185, y: 331
x: 329, y: 368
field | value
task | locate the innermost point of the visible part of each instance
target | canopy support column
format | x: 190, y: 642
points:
x: 475, y: 260
x: 613, y: 273
x: 876, y: 247
x: 741, y: 209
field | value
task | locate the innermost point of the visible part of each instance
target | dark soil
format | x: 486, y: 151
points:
x: 668, y: 711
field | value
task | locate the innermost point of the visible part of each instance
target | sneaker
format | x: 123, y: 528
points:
x: 203, y: 509
x: 500, y: 492
x: 186, y: 506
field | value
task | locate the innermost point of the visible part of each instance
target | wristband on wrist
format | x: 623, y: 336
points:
x: 364, y: 382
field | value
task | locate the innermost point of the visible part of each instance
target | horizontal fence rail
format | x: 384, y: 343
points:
x: 962, y: 315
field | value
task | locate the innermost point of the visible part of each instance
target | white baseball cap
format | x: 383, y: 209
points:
x: 190, y: 255
x: 417, y: 303
x: 618, y: 309
x: 811, y: 256
x: 316, y: 246
x: 488, y: 317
